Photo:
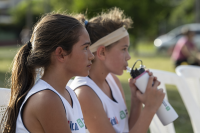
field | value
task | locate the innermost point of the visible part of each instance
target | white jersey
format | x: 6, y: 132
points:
x: 73, y: 114
x: 116, y: 110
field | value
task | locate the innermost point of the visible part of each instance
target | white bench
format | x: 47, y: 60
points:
x: 4, y: 100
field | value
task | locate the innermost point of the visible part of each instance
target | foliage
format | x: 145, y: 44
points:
x: 151, y: 18
x: 183, y: 13
x: 145, y: 14
x: 19, y: 12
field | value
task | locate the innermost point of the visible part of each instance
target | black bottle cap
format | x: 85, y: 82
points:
x: 137, y: 72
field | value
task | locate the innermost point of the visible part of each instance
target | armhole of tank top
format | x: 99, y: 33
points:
x: 71, y: 98
x: 22, y: 109
x: 114, y: 99
x: 114, y: 82
x: 91, y: 89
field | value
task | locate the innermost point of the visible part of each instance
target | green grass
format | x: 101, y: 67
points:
x: 146, y: 47
x: 150, y: 60
x: 7, y: 54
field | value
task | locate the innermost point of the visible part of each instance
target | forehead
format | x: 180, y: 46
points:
x: 83, y: 37
x: 124, y: 42
x: 84, y: 34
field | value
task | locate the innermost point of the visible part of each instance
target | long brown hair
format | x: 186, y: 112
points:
x: 51, y: 31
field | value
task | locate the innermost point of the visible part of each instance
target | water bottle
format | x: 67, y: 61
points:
x: 165, y: 113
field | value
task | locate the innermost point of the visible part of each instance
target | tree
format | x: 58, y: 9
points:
x: 19, y: 12
x: 184, y: 12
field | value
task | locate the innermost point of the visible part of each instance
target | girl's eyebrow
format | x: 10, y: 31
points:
x: 125, y: 45
x: 87, y: 43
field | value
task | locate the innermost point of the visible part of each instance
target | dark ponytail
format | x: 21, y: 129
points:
x: 21, y: 81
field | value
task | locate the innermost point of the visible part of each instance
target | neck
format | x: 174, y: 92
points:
x: 56, y: 79
x: 98, y: 73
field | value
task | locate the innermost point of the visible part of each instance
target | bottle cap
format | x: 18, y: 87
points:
x: 137, y: 72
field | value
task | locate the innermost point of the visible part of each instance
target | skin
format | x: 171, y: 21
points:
x: 44, y: 111
x: 114, y: 61
x: 191, y: 53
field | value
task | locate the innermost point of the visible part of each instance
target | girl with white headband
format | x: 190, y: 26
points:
x: 60, y: 45
x: 101, y: 94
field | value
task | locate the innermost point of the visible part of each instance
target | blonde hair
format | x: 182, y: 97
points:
x: 105, y: 23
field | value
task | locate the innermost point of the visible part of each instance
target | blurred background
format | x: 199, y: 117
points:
x: 156, y: 29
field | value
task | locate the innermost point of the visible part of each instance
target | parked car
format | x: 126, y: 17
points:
x: 166, y: 42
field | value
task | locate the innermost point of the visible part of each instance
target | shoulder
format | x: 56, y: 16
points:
x: 78, y: 81
x: 46, y: 108
x: 45, y: 96
x: 45, y: 100
x: 118, y: 84
x: 94, y: 114
x: 182, y: 41
x: 85, y: 94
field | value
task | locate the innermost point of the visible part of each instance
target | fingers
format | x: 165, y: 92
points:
x: 150, y: 73
x: 161, y: 93
x: 131, y: 82
x: 161, y: 90
x: 156, y: 84
x: 150, y: 82
x: 155, y: 78
x: 140, y: 96
x: 132, y: 85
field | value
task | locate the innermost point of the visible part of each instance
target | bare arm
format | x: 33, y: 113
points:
x: 94, y: 115
x: 193, y: 54
x: 185, y: 51
x: 152, y: 98
x: 47, y: 113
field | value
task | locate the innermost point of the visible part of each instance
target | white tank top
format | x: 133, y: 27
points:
x: 73, y: 114
x: 116, y: 110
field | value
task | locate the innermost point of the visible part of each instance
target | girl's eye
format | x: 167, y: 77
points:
x: 86, y: 48
x: 124, y: 49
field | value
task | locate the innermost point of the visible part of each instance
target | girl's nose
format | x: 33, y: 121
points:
x: 91, y: 57
x: 128, y: 56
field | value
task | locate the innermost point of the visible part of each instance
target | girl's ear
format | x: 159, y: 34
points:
x: 60, y: 54
x: 100, y: 53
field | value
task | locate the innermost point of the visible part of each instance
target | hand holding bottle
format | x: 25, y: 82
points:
x: 151, y: 95
x: 152, y: 98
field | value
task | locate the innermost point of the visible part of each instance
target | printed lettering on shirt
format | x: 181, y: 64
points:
x: 73, y: 126
x: 122, y: 115
x: 80, y: 123
x: 84, y: 123
x: 113, y: 120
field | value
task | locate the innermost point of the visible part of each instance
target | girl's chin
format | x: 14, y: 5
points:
x: 118, y: 73
x: 85, y: 74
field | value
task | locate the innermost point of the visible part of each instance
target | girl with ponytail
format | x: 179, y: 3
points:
x: 60, y: 46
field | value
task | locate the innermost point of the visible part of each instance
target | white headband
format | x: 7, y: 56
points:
x: 109, y: 39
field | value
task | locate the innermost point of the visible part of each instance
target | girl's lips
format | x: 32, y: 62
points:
x: 125, y: 68
x: 89, y: 65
